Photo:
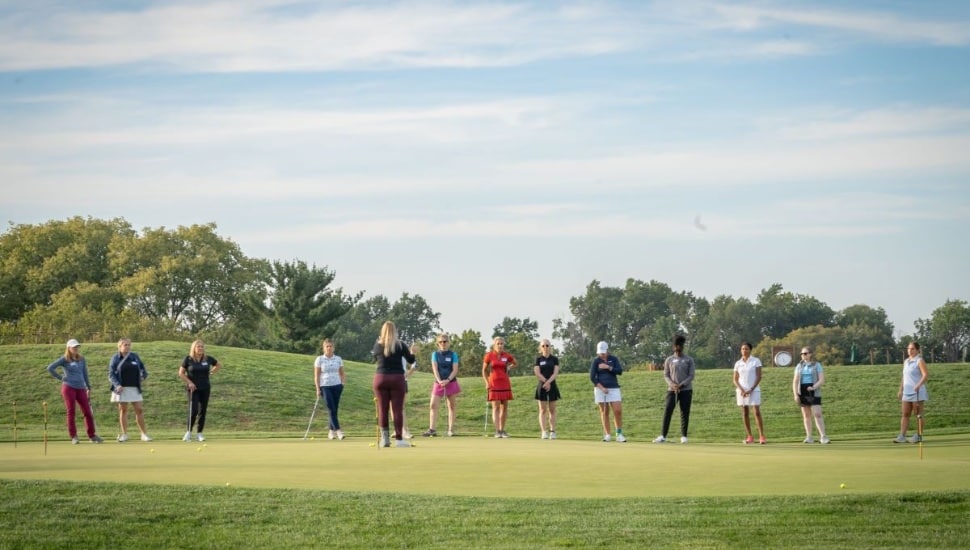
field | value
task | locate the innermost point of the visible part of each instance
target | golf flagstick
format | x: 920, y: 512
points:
x: 317, y: 402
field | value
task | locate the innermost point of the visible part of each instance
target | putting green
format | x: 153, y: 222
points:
x: 527, y: 468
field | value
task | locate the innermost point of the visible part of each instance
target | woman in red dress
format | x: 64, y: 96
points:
x: 495, y: 372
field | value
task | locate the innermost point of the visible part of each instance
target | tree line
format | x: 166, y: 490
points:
x: 102, y: 279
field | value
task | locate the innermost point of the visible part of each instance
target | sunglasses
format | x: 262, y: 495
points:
x: 544, y: 345
x: 806, y: 353
x: 442, y: 341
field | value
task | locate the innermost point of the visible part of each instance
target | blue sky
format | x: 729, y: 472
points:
x: 496, y: 157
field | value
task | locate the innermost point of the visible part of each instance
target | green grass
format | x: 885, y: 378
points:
x: 270, y: 394
x: 471, y: 490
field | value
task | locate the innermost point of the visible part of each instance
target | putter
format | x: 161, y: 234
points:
x: 45, y: 431
x: 485, y: 433
x: 919, y: 433
x: 317, y: 402
x: 377, y: 423
x: 188, y: 420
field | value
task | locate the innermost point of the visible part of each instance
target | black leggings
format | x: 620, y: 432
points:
x: 200, y: 403
x: 684, y: 397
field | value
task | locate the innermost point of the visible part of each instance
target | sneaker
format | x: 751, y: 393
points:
x: 96, y: 439
x: 808, y: 440
x: 122, y: 438
x: 187, y: 436
x: 505, y: 434
x: 385, y: 438
x: 748, y: 440
x: 620, y: 438
x: 761, y: 440
x: 403, y: 443
x: 74, y: 441
x: 200, y: 437
x: 660, y: 439
x: 825, y: 440
x: 146, y: 438
x: 683, y: 439
x: 406, y: 434
x: 545, y: 435
x: 916, y: 438
x: 430, y: 433
x: 552, y: 435
x: 900, y: 439
x: 331, y: 435
x: 451, y: 433
x: 498, y: 435
x: 340, y: 435
x: 606, y: 438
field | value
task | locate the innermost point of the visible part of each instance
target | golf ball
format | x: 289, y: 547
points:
x: 199, y: 449
x: 312, y: 437
x: 414, y: 444
x: 152, y: 451
x: 227, y: 484
x: 842, y: 486
x: 205, y: 444
x: 370, y: 444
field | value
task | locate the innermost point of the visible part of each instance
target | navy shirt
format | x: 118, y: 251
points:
x: 198, y: 371
x: 603, y: 376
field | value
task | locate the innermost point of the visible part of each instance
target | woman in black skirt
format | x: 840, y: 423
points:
x: 547, y: 392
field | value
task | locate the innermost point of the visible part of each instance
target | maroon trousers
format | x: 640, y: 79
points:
x: 390, y: 389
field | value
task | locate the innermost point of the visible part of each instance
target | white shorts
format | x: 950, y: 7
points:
x: 129, y: 394
x: 612, y: 395
x: 754, y: 398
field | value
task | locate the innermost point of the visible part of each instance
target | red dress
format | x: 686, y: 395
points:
x: 499, y: 385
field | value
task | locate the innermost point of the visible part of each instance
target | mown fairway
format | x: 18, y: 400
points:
x: 473, y: 490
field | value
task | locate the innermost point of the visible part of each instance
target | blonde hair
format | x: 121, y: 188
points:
x: 496, y: 340
x: 389, y: 338
x: 194, y: 347
x: 124, y: 341
x: 72, y: 355
x: 547, y: 343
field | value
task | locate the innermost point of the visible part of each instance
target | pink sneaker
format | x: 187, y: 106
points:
x: 748, y: 440
x: 761, y: 440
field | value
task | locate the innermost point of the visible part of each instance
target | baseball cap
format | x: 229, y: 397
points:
x: 602, y: 347
x: 72, y: 343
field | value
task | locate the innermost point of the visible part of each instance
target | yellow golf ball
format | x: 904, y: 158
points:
x: 205, y: 444
x: 842, y: 486
x: 312, y: 437
x: 370, y: 444
x: 227, y: 484
x: 199, y: 449
x: 152, y: 451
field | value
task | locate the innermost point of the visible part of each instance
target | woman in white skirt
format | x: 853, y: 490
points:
x: 125, y: 372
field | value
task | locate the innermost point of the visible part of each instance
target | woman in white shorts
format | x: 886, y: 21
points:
x: 606, y: 390
x: 126, y: 372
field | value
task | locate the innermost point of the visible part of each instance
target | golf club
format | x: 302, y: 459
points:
x: 45, y: 430
x: 487, y: 403
x: 377, y: 423
x: 919, y: 433
x: 315, y: 404
x: 15, y: 424
x: 188, y: 420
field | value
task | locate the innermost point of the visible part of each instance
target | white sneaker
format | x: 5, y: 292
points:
x: 122, y: 438
x: 916, y: 438
x: 330, y: 434
x: 146, y: 437
x: 825, y: 440
x: 403, y: 443
x: 200, y: 437
x: 683, y: 439
x: 74, y: 441
x: 660, y: 439
x: 187, y: 436
x: 620, y: 438
x: 451, y: 433
x: 407, y: 434
x: 900, y: 439
x: 340, y: 435
x: 552, y: 435
x: 808, y: 440
x: 606, y: 437
x: 545, y: 435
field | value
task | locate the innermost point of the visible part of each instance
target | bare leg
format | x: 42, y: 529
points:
x: 904, y: 420
x: 433, y: 415
x: 605, y: 417
x: 543, y: 413
x: 747, y: 419
x: 761, y: 423
x: 552, y: 416
x: 807, y: 421
x: 123, y: 417
x: 617, y: 407
x: 819, y: 421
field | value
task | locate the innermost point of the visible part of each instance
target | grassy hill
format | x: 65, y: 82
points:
x: 270, y: 394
